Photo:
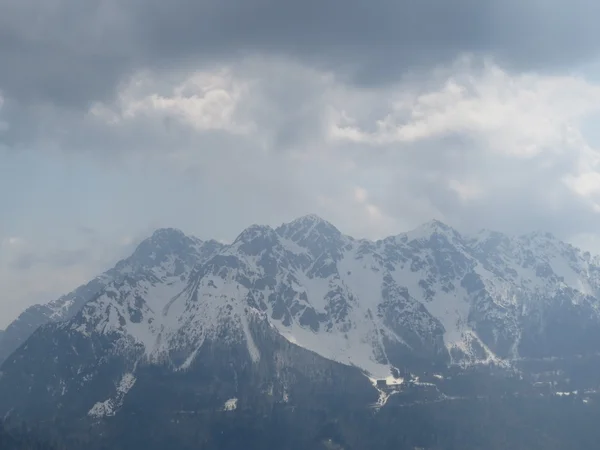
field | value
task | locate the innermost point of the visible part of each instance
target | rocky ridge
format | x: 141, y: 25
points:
x: 421, y: 300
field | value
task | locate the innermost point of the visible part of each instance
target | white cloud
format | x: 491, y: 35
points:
x: 466, y: 191
x: 585, y: 184
x: 203, y: 100
x: 445, y: 145
x: 360, y: 194
x: 518, y: 115
x: 12, y: 241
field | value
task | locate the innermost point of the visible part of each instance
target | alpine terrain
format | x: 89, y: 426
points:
x: 303, y: 318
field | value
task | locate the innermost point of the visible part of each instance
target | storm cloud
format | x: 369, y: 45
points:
x: 119, y: 117
x: 76, y: 52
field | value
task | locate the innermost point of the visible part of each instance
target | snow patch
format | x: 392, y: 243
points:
x: 110, y: 406
x: 230, y: 405
x: 252, y: 348
x: 385, y: 394
x: 189, y: 360
x: 392, y: 381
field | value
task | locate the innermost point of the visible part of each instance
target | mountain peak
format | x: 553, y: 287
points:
x: 163, y: 239
x: 253, y: 232
x: 309, y: 218
x: 437, y: 224
x: 306, y: 225
x: 162, y: 243
x: 538, y: 235
x: 487, y: 235
x: 313, y: 233
x: 431, y: 228
x: 166, y: 233
x: 256, y: 238
x: 486, y: 241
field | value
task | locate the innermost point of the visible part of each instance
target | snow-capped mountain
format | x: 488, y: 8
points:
x: 427, y: 298
x: 167, y: 252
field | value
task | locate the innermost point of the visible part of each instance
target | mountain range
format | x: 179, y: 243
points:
x: 295, y: 314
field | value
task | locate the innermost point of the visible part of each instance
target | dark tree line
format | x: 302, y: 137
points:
x: 495, y: 423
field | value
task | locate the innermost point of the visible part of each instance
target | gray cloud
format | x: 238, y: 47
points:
x: 253, y: 140
x: 75, y: 52
x: 58, y: 258
x: 519, y: 195
x: 68, y: 258
x: 24, y: 261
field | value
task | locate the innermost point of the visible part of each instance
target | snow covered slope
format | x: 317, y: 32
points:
x: 168, y: 252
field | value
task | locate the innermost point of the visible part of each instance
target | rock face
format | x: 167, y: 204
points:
x: 284, y: 311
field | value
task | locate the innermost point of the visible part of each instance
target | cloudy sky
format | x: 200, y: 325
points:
x: 121, y: 116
